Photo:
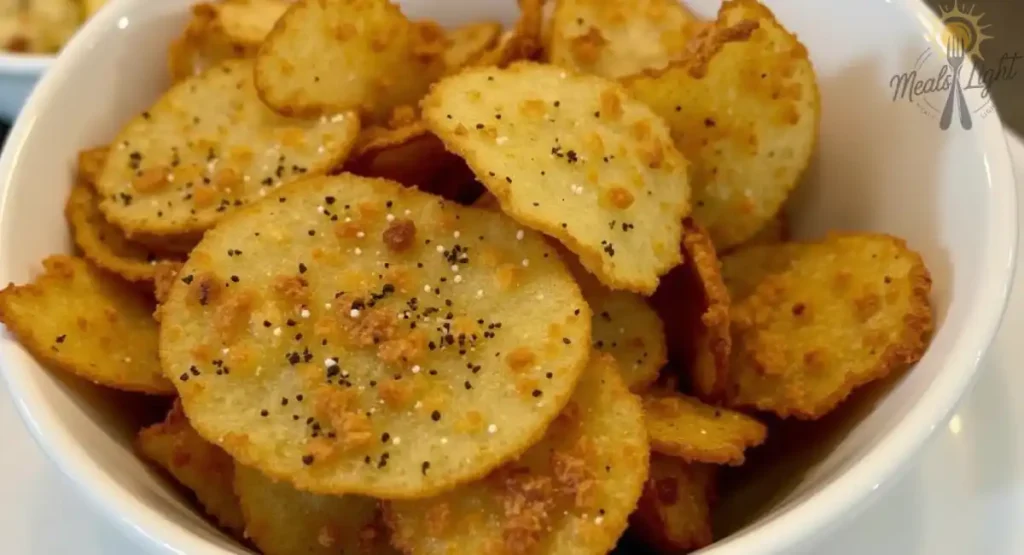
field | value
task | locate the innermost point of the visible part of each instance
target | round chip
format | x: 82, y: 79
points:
x: 469, y: 42
x: 572, y: 156
x: 220, y: 31
x: 570, y: 494
x: 847, y: 311
x: 95, y: 326
x: 355, y: 336
x: 674, y: 513
x: 327, y: 56
x: 684, y: 427
x: 197, y: 464
x: 106, y: 245
x: 744, y: 110
x: 616, y: 38
x: 208, y: 146
x: 282, y: 520
x: 694, y: 302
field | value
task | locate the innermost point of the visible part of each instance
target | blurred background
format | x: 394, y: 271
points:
x: 1006, y: 20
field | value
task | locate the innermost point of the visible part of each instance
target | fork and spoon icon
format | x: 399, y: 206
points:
x: 955, y: 53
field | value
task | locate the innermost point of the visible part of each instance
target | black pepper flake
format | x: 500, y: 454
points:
x: 302, y: 268
x: 468, y: 385
x: 508, y: 179
x: 284, y: 401
x: 567, y: 341
x: 61, y: 338
x: 264, y: 413
x: 235, y: 279
x: 291, y: 322
x: 307, y: 460
x: 537, y: 393
x: 183, y: 377
x: 385, y: 437
x: 435, y: 416
x: 549, y: 375
x: 424, y: 467
x: 576, y: 312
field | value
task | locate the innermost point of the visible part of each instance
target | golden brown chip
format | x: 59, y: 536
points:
x: 616, y: 38
x: 674, y: 513
x: 846, y: 311
x: 684, y: 427
x: 220, y: 31
x: 207, y: 147
x: 356, y: 336
x: 331, y: 56
x: 95, y: 326
x: 282, y: 520
x: 469, y: 42
x: 202, y: 467
x: 569, y: 494
x: 694, y: 302
x: 624, y: 326
x: 572, y: 156
x: 106, y: 245
x: 743, y: 108
x: 523, y: 42
x: 91, y: 162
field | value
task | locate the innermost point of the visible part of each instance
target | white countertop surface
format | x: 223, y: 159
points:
x: 963, y: 495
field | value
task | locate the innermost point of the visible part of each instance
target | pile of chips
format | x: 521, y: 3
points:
x: 423, y: 290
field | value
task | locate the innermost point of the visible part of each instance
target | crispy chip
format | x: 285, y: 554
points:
x: 847, y: 311
x: 674, y: 513
x: 684, y: 427
x: 743, y: 108
x: 469, y: 42
x: 376, y: 376
x: 202, y: 467
x: 106, y: 246
x: 624, y: 326
x: 694, y: 302
x: 569, y: 494
x: 95, y: 326
x: 520, y: 43
x: 221, y: 31
x: 208, y: 146
x: 328, y: 56
x: 574, y: 157
x: 91, y: 162
x: 616, y: 38
x: 281, y: 520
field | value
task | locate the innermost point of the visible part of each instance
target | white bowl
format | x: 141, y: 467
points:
x: 19, y: 74
x: 882, y: 165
